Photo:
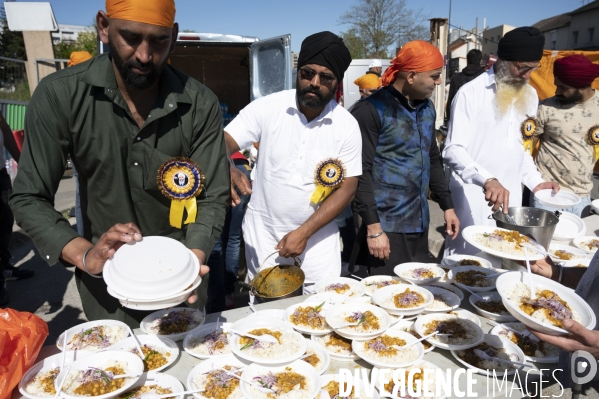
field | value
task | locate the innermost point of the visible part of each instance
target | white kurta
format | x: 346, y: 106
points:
x: 290, y: 149
x: 480, y: 145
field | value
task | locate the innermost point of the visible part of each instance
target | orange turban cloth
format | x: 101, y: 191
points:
x: 77, y: 57
x: 153, y: 12
x: 368, y: 81
x: 417, y: 56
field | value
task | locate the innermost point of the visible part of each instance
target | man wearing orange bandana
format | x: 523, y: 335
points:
x: 121, y: 116
x: 400, y: 162
x: 368, y: 84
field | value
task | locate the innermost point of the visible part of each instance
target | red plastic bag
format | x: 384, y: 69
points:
x: 22, y: 335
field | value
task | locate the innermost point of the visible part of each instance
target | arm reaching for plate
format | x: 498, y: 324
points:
x: 579, y: 338
x: 546, y: 268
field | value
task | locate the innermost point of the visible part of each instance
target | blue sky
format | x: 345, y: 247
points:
x: 268, y: 18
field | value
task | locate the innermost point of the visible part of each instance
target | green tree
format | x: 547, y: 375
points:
x: 86, y: 41
x: 354, y: 43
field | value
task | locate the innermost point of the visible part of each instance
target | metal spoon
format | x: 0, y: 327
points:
x: 508, y: 217
x: 252, y: 383
x: 525, y: 333
x: 419, y: 340
x: 484, y: 356
x: 265, y: 338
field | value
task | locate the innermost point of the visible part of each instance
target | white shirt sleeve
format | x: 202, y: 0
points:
x: 351, y: 152
x: 461, y: 128
x: 246, y: 128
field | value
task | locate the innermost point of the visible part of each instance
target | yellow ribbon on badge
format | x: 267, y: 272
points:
x: 329, y: 175
x: 528, y: 129
x: 593, y: 139
x: 181, y: 180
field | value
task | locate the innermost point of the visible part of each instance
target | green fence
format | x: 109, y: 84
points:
x: 14, y: 113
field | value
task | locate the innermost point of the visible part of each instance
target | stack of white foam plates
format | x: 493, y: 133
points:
x: 569, y: 227
x: 155, y: 273
x: 561, y: 200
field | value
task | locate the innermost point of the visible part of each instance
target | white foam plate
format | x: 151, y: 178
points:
x: 420, y: 328
x: 163, y: 381
x: 347, y: 309
x: 408, y: 325
x: 423, y: 364
x: 449, y: 297
x: 320, y: 340
x: 492, y: 296
x: 325, y: 379
x: 303, y: 328
x: 405, y: 268
x: 209, y: 365
x: 499, y: 331
x: 466, y: 314
x: 569, y: 227
x: 84, y: 326
x: 470, y: 235
x: 460, y: 269
x: 448, y: 287
x: 370, y: 286
x: 202, y: 332
x: 358, y: 348
x: 508, y: 346
x: 322, y: 353
x: 296, y: 338
x: 300, y: 367
x: 595, y: 205
x: 581, y: 242
x: 454, y: 260
x: 356, y: 287
x: 578, y: 254
x: 561, y: 199
x: 384, y: 295
x: 153, y: 341
x: 145, y: 324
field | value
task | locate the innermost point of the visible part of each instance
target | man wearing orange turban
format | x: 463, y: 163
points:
x: 400, y: 162
x: 367, y: 83
x: 124, y: 118
x: 77, y: 57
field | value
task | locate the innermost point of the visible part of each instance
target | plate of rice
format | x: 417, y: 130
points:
x: 373, y: 283
x: 340, y: 286
x: 465, y: 260
x: 419, y: 273
x: 492, y: 307
x: 370, y: 321
x: 94, y: 336
x: 386, y: 350
x: 403, y: 299
x: 290, y: 345
x: 493, y: 346
x: 209, y: 375
x: 588, y: 244
x: 329, y: 383
x: 174, y: 323
x: 465, y: 314
x: 38, y: 381
x: 465, y: 333
x: 564, y: 253
x: 317, y: 357
x: 499, y: 242
x: 297, y: 380
x: 92, y: 376
x: 158, y: 383
x: 207, y: 342
x: 552, y: 303
x: 308, y: 318
x: 449, y: 287
x: 534, y: 349
x: 473, y: 278
x: 159, y: 352
x: 338, y: 347
x: 421, y: 368
x: 443, y: 300
x: 408, y: 326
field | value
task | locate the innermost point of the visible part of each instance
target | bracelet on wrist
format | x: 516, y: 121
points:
x: 85, y: 265
x: 376, y: 235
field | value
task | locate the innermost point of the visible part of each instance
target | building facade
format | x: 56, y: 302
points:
x: 492, y: 36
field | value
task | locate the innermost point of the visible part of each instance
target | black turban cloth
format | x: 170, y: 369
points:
x: 523, y: 44
x: 325, y: 49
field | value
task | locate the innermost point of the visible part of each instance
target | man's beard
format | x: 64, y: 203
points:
x: 132, y: 79
x: 313, y: 102
x: 510, y: 90
x: 572, y: 99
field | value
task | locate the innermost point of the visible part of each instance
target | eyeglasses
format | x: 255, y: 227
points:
x: 308, y: 74
x: 523, y: 70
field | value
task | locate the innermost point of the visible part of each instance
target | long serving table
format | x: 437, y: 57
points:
x: 482, y: 386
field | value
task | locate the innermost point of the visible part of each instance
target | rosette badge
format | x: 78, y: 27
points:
x: 328, y: 176
x: 181, y: 180
x: 593, y: 138
x: 528, y: 129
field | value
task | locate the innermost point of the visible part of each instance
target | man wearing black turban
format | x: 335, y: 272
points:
x: 308, y: 165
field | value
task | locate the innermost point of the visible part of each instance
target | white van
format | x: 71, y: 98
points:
x: 357, y: 68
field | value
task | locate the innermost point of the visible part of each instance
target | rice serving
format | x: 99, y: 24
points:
x: 137, y: 392
x: 470, y: 357
x: 96, y: 381
x: 507, y: 242
x: 374, y: 284
x: 42, y: 384
x: 309, y: 317
x: 287, y: 384
x: 530, y: 345
x: 97, y: 338
x: 440, y: 301
x: 289, y: 343
x: 314, y: 360
x: 332, y: 387
x: 215, y: 343
x: 335, y: 344
x: 419, y: 273
x: 367, y: 322
x: 548, y: 307
x: 404, y: 300
x: 218, y: 384
x: 417, y: 376
x: 154, y: 356
x: 176, y: 322
x: 381, y: 350
x: 462, y: 332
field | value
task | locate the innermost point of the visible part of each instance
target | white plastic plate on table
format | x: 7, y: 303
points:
x: 423, y: 320
x: 506, y: 283
x: 145, y: 324
x: 401, y: 269
x: 320, y: 340
x: 322, y: 353
x: 98, y: 360
x: 449, y: 287
x: 492, y: 296
x: 407, y: 326
x: 470, y: 234
x: 347, y: 332
x: 581, y: 242
x: 153, y: 341
x: 46, y: 365
x: 454, y: 260
x: 577, y: 262
x: 303, y: 328
x: 595, y: 205
x: 335, y: 299
x: 358, y: 348
x: 382, y: 296
x: 514, y: 352
x: 300, y: 367
x: 202, y: 331
x: 85, y: 326
x: 163, y: 381
x: 466, y: 314
x: 451, y: 299
x: 356, y: 286
x: 460, y: 269
x: 325, y: 379
x: 501, y: 332
x: 154, y: 266
x: 569, y: 227
x: 561, y: 199
x: 423, y: 364
x: 209, y: 365
x: 578, y: 254
x: 370, y: 286
x: 276, y: 313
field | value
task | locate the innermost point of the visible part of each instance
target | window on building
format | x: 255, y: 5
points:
x: 591, y: 34
x: 575, y: 37
x: 553, y: 45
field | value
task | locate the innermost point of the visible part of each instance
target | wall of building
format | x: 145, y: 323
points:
x: 492, y: 36
x: 557, y: 39
x: 582, y: 23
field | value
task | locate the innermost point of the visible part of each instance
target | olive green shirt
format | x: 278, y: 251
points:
x: 80, y: 111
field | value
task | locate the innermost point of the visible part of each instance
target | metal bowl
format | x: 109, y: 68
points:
x: 278, y: 282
